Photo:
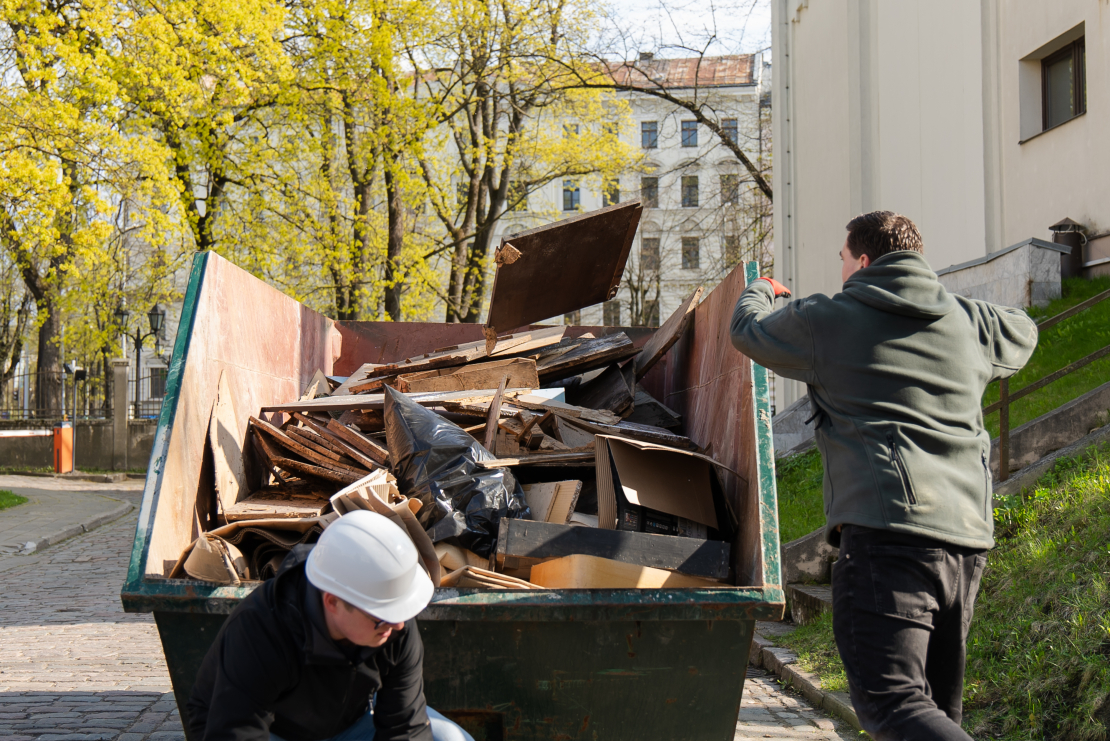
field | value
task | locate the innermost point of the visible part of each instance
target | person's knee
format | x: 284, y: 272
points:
x: 445, y: 729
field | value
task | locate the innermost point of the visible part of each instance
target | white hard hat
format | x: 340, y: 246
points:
x: 369, y: 562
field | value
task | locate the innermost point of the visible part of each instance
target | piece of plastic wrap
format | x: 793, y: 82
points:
x: 436, y: 461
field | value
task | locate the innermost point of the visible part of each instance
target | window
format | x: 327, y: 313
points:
x: 649, y: 134
x: 571, y: 195
x: 612, y: 193
x: 689, y: 133
x: 570, y: 129
x: 730, y: 190
x: 732, y: 251
x: 690, y: 257
x: 573, y: 318
x: 1063, y: 84
x: 157, y: 383
x: 649, y: 254
x: 730, y: 128
x: 611, y: 313
x: 649, y: 192
x: 517, y: 196
x: 651, y: 312
x: 689, y: 191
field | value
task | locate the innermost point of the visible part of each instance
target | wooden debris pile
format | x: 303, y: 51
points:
x: 618, y: 496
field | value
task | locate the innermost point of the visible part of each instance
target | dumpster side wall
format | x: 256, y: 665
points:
x: 267, y: 345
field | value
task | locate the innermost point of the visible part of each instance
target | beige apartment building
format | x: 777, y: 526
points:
x: 984, y: 121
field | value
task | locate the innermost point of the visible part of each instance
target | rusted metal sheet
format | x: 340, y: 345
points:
x: 561, y: 267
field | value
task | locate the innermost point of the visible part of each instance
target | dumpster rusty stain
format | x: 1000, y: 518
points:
x: 631, y: 653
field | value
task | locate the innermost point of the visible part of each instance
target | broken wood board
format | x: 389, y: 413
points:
x: 561, y: 457
x: 353, y: 446
x: 647, y: 410
x: 552, y: 501
x: 561, y: 267
x: 376, y: 402
x: 612, y: 348
x: 520, y: 371
x: 472, y: 576
x: 227, y: 450
x: 590, y: 572
x: 569, y: 435
x: 543, y: 404
x: 665, y: 337
x: 494, y: 413
x: 269, y: 505
x: 297, y: 446
x: 634, y: 431
x: 525, y: 543
x: 317, y: 386
x: 610, y: 391
x: 365, y: 371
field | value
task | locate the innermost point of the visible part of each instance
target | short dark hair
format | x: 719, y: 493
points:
x: 882, y: 232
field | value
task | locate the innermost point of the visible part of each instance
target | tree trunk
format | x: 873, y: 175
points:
x: 48, y: 384
x: 394, y: 241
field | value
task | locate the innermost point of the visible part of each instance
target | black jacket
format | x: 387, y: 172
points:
x: 273, y: 667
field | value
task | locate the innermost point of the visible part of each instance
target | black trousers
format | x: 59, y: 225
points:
x: 902, y: 605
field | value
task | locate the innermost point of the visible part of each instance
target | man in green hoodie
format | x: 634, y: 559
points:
x: 896, y: 368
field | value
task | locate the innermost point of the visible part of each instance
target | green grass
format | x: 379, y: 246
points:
x: 816, y: 649
x: 1058, y: 346
x: 801, y: 508
x: 1039, y: 649
x: 10, y: 499
x: 1038, y: 662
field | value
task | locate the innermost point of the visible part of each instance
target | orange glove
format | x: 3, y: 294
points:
x: 780, y: 290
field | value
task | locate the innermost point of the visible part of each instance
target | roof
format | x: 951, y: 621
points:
x: 724, y: 71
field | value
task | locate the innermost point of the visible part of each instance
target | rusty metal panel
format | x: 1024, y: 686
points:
x: 562, y: 267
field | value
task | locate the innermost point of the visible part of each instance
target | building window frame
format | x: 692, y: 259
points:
x: 1076, y: 51
x: 691, y: 253
x: 649, y: 134
x: 689, y: 191
x: 689, y: 133
x: 731, y: 129
x: 650, y: 254
x: 649, y: 191
x: 572, y: 196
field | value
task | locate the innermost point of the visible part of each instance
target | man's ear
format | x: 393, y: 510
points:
x: 864, y: 261
x: 331, y: 602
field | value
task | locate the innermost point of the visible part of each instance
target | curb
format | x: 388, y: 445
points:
x: 766, y: 655
x: 96, y: 478
x: 34, y: 546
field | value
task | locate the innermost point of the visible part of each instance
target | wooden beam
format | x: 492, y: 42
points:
x: 493, y: 414
x: 665, y: 337
x: 370, y: 447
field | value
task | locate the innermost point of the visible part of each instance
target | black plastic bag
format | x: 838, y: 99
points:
x: 436, y: 461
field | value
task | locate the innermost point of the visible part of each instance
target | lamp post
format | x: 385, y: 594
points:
x: 156, y: 316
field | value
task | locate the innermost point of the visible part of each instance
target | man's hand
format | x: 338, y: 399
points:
x: 780, y: 290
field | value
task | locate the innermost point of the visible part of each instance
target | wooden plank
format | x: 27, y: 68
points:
x: 476, y: 376
x: 609, y: 391
x: 569, y: 435
x: 647, y: 410
x: 338, y: 444
x: 227, y: 451
x: 552, y: 501
x: 302, y: 450
x: 611, y: 348
x: 308, y: 469
x: 267, y: 505
x: 665, y: 337
x: 370, y: 447
x: 376, y: 402
x: 576, y: 457
x: 543, y: 404
x: 304, y: 439
x: 524, y: 543
x: 493, y: 414
x: 589, y: 572
x: 634, y: 431
x: 365, y: 371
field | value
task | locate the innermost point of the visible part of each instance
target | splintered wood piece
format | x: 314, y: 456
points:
x: 264, y: 505
x: 373, y: 384
x: 342, y: 477
x: 266, y: 455
x: 610, y: 391
x: 530, y: 421
x: 552, y: 501
x: 370, y: 447
x: 476, y: 376
x: 590, y: 354
x: 665, y: 337
x: 525, y: 543
x: 317, y: 386
x: 494, y: 413
x: 647, y: 410
x: 364, y: 372
x: 311, y: 444
x: 563, y: 457
x: 543, y: 404
x: 326, y: 437
x: 571, y: 436
x: 367, y: 420
x: 302, y: 450
x: 633, y: 431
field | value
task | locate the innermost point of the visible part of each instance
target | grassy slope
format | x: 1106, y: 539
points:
x: 801, y: 510
x: 1065, y: 343
x: 1039, y: 650
x: 10, y: 499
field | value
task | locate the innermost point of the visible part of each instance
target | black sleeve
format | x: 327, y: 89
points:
x: 243, y: 675
x: 400, y: 713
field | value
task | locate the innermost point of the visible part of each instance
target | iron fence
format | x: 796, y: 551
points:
x: 33, y: 396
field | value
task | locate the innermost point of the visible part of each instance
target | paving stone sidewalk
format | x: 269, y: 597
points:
x: 75, y: 667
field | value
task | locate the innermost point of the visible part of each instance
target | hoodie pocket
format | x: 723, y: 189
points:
x: 900, y: 466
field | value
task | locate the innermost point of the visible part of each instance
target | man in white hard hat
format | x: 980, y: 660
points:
x: 327, y: 649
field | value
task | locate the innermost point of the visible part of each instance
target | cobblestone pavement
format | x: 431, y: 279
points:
x: 75, y: 667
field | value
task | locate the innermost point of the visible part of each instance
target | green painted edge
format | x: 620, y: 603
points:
x: 765, y: 448
x: 135, y: 585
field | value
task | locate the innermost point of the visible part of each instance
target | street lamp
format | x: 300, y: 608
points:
x: 156, y: 316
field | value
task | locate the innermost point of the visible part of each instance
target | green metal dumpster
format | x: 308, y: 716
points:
x: 568, y: 664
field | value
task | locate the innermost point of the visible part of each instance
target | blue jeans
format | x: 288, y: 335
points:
x: 443, y: 729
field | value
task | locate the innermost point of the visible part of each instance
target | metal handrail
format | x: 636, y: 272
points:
x: 1005, y: 398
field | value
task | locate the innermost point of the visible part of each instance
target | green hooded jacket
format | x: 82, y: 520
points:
x: 896, y: 368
